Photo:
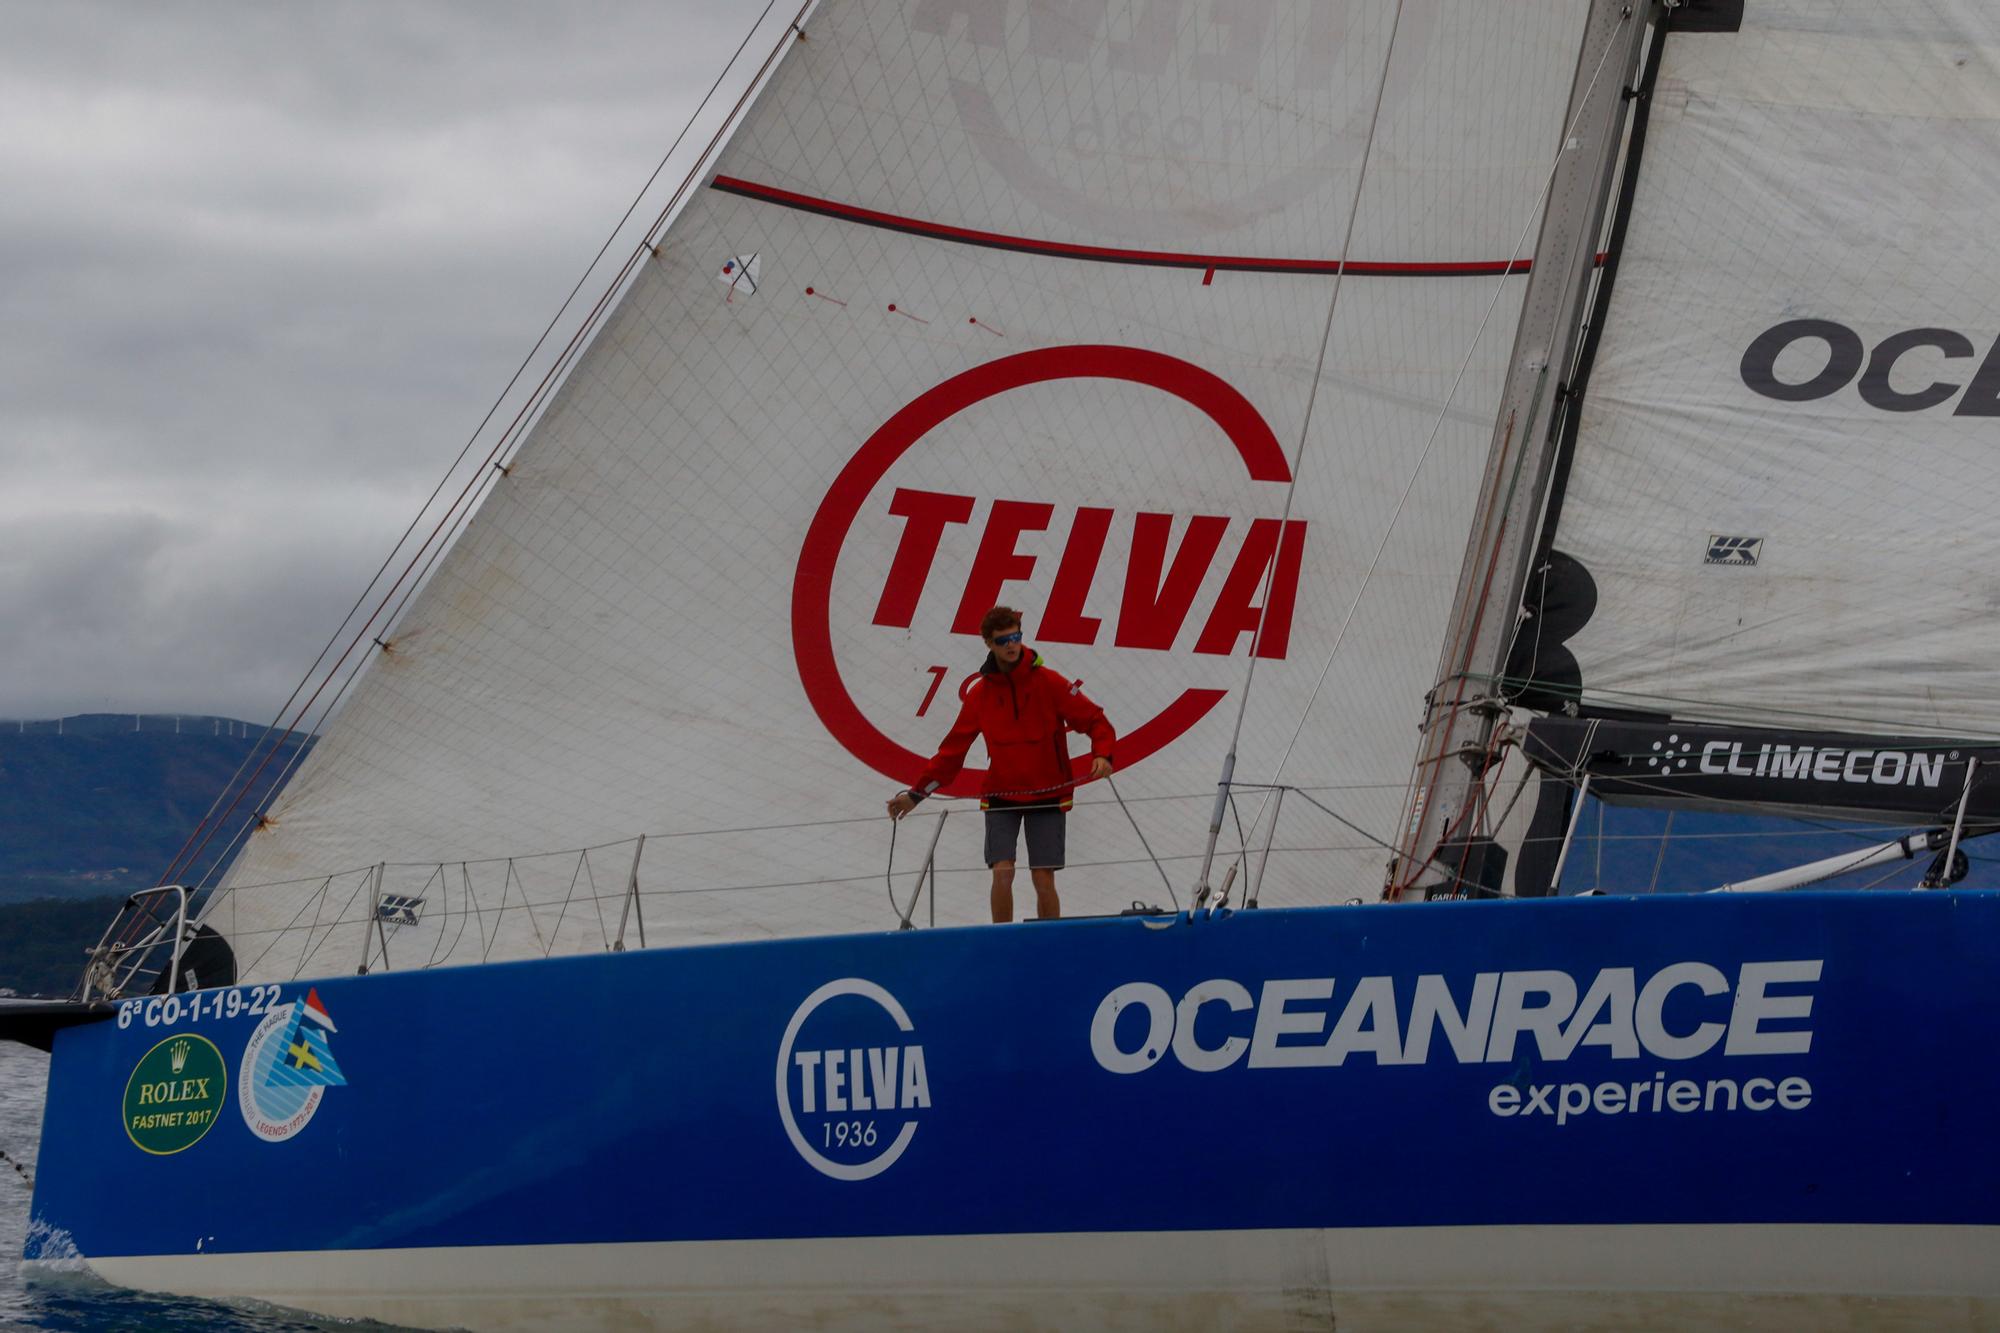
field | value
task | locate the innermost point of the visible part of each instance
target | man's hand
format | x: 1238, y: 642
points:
x: 1100, y: 769
x: 901, y: 804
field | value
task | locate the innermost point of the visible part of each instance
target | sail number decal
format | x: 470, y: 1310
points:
x: 164, y: 1011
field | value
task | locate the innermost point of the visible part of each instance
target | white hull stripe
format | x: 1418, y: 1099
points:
x: 1447, y: 1277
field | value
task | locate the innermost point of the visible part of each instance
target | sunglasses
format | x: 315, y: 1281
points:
x: 1000, y: 640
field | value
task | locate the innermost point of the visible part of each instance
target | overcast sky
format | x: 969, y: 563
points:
x: 263, y: 266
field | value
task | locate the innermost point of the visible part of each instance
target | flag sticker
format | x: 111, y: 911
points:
x: 315, y: 1012
x: 739, y: 274
x: 287, y: 1067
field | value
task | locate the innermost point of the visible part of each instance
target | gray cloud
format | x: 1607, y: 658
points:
x: 261, y: 270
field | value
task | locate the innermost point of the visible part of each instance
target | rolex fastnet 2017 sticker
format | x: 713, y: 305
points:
x: 174, y: 1093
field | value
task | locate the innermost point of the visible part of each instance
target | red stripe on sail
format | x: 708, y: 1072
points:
x: 872, y: 217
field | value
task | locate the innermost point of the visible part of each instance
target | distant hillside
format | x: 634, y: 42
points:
x: 99, y: 804
x: 42, y: 944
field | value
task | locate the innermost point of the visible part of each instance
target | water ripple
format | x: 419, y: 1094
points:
x: 65, y: 1295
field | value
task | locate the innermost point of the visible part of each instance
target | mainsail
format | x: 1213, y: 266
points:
x: 983, y: 302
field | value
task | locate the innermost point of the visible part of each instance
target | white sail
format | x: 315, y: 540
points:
x: 1782, y: 486
x: 986, y: 302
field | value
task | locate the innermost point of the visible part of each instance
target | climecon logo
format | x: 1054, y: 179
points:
x: 1111, y: 579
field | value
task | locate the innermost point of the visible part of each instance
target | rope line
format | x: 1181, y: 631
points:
x: 1298, y: 459
x: 324, y: 929
x: 1408, y: 867
x: 1437, y: 425
x: 1165, y: 879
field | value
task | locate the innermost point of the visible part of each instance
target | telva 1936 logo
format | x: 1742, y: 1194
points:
x: 174, y: 1093
x: 851, y: 1079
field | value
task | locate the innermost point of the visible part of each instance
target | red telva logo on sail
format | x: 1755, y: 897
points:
x: 1159, y: 589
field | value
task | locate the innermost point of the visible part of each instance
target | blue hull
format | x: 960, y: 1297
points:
x: 1804, y: 1059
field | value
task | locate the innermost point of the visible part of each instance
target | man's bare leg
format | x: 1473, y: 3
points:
x: 1047, y: 906
x: 1003, y: 890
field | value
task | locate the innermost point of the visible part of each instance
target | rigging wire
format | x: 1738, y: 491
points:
x: 1437, y: 425
x: 321, y: 927
x: 1726, y: 714
x: 1871, y: 832
x: 889, y: 874
x: 482, y: 479
x: 1298, y: 459
x: 1407, y: 865
x: 477, y: 430
x: 1152, y: 856
x: 1666, y: 835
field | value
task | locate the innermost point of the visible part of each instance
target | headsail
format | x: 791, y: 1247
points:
x: 983, y: 302
x: 1781, y: 495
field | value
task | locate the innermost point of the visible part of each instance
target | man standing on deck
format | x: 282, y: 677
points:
x: 1025, y: 711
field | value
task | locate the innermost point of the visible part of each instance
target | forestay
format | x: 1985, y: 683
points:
x: 985, y: 302
x: 1784, y: 481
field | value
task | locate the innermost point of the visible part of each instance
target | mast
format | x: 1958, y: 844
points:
x: 1463, y: 707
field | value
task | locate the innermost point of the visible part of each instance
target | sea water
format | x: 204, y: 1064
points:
x: 77, y: 1301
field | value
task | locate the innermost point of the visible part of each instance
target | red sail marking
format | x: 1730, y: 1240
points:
x: 812, y: 587
x: 1210, y: 264
x: 1157, y: 597
x: 1063, y: 620
x: 1153, y: 609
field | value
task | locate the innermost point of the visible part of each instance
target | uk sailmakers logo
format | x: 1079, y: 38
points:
x: 852, y: 1081
x: 287, y: 1067
x: 1733, y: 550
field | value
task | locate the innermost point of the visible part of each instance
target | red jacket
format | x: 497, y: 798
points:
x: 1025, y: 715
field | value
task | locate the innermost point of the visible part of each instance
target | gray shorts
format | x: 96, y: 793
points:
x: 1045, y: 834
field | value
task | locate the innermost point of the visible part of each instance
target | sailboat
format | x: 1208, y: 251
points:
x: 1432, y: 416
